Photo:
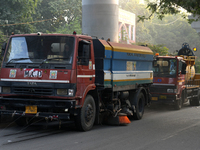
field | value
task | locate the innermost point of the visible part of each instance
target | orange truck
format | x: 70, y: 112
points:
x: 175, y: 80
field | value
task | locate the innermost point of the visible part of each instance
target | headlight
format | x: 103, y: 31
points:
x: 171, y: 90
x: 61, y: 91
x: 71, y: 92
x: 5, y: 89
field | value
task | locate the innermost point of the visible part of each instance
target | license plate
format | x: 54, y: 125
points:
x: 163, y: 97
x: 154, y: 98
x: 31, y: 110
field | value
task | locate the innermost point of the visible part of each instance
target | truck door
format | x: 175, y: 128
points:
x: 85, y: 69
x: 181, y: 75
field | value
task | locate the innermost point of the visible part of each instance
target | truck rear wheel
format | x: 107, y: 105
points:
x: 139, y: 103
x: 195, y: 101
x: 85, y: 119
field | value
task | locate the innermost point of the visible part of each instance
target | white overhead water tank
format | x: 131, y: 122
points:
x: 100, y: 18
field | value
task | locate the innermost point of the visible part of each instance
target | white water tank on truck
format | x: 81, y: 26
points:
x: 100, y: 18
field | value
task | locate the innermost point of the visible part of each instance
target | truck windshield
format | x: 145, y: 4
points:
x: 40, y: 49
x: 165, y: 67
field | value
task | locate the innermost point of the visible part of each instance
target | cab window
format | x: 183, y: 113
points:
x: 84, y: 53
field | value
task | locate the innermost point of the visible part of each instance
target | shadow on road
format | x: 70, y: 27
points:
x: 163, y: 107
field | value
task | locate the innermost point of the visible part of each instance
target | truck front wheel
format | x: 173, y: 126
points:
x: 85, y: 119
x: 139, y: 103
x: 178, y: 104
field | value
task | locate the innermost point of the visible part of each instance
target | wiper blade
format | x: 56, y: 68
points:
x: 16, y: 59
x: 53, y: 59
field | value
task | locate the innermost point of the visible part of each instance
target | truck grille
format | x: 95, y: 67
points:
x: 33, y: 90
x: 158, y: 90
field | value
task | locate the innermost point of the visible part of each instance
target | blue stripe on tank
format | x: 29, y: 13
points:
x: 143, y: 61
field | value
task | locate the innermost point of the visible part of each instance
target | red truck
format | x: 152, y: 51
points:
x: 73, y: 77
x: 175, y: 80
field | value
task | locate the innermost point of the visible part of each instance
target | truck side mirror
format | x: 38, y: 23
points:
x: 3, y: 49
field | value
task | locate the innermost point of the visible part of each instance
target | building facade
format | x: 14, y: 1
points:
x: 127, y: 27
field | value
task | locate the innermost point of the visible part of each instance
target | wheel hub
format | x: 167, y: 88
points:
x: 89, y: 113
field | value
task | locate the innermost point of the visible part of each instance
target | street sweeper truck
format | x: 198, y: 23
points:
x: 74, y: 77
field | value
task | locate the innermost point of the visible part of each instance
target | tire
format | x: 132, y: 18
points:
x: 84, y: 121
x: 195, y: 101
x: 192, y: 102
x: 139, y: 103
x: 179, y: 104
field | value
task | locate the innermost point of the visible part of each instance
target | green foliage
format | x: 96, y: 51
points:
x: 71, y: 27
x: 28, y: 16
x: 2, y: 38
x: 57, y: 14
x: 65, y: 16
x: 15, y: 12
x: 166, y: 7
x: 172, y: 31
x: 197, y: 65
x: 161, y: 49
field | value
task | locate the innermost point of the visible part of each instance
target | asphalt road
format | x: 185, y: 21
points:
x: 162, y: 128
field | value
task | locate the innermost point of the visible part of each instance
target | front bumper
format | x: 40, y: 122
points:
x: 48, y: 115
x: 50, y: 108
x: 164, y: 98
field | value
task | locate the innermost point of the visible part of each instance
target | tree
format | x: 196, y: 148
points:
x: 28, y: 16
x: 71, y: 27
x: 56, y: 14
x: 161, y: 49
x: 172, y: 31
x: 2, y: 38
x: 197, y: 65
x: 163, y: 7
x: 15, y: 12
